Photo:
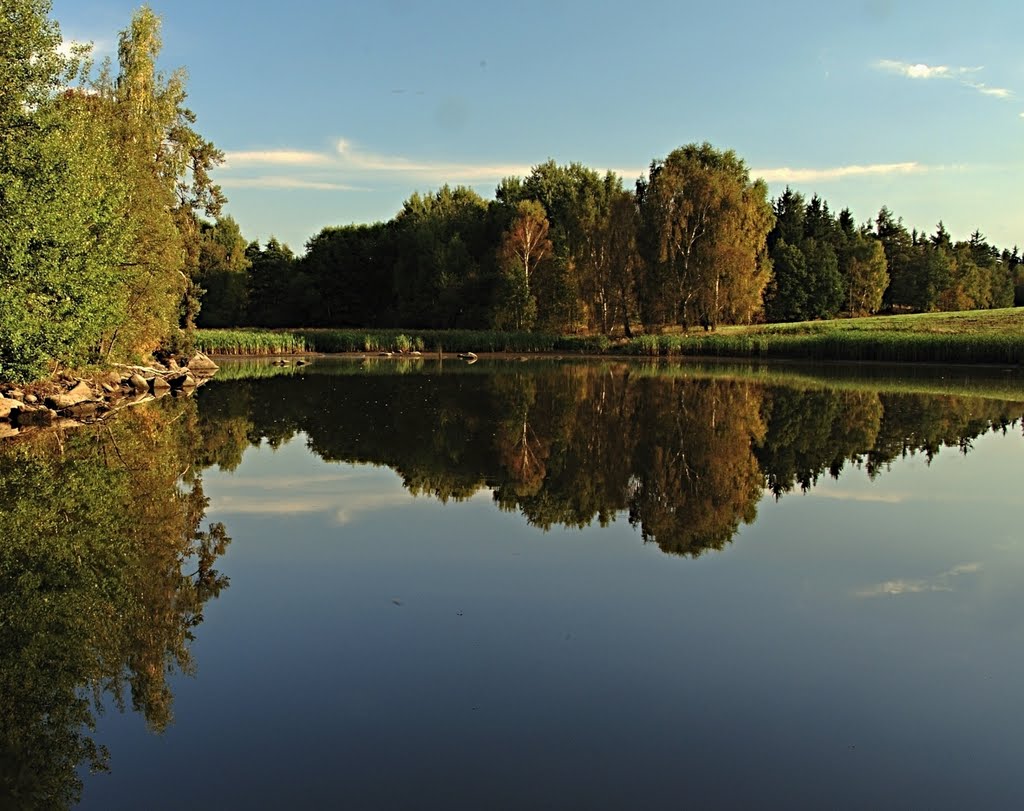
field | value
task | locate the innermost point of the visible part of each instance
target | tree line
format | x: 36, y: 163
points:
x: 566, y: 249
x: 112, y: 243
x: 103, y: 181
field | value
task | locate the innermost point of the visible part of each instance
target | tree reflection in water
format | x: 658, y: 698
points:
x: 104, y: 572
x: 685, y: 455
x: 104, y: 567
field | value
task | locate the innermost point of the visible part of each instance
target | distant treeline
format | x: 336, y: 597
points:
x: 567, y: 249
x: 102, y: 182
x: 105, y: 255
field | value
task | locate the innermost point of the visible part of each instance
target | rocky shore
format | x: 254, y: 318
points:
x: 68, y: 402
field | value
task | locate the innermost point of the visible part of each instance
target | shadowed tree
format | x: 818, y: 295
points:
x: 524, y: 246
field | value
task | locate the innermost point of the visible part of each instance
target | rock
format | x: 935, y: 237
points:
x: 113, y: 378
x: 108, y: 388
x: 79, y: 393
x: 301, y: 362
x: 6, y: 431
x: 33, y: 415
x: 157, y: 383
x: 172, y: 364
x: 7, y: 406
x: 31, y: 398
x: 16, y: 394
x: 201, y: 366
x: 467, y: 356
x: 138, y: 383
x: 181, y: 381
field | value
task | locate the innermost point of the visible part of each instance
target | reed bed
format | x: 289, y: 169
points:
x: 249, y: 342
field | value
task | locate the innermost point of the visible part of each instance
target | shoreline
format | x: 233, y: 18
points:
x: 982, y: 337
x: 72, y: 400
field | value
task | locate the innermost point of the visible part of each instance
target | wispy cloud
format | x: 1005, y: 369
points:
x: 787, y: 174
x: 349, y: 167
x: 276, y: 157
x: 984, y: 89
x: 285, y: 182
x: 353, y: 158
x: 919, y: 70
x: 940, y: 582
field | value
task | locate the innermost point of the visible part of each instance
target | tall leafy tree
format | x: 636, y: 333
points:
x: 704, y: 226
x: 221, y: 274
x: 167, y: 165
x: 524, y: 246
x: 440, y: 258
x: 866, y: 274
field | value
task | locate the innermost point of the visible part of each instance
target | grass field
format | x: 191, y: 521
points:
x: 976, y: 336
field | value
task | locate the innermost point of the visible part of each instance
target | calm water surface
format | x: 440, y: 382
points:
x: 534, y: 585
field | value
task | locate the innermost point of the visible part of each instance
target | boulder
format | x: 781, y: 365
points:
x: 201, y: 366
x: 79, y: 393
x: 31, y: 398
x: 6, y: 431
x: 138, y: 383
x: 7, y: 406
x: 157, y: 383
x: 181, y: 381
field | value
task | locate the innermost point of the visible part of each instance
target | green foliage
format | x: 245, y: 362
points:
x: 995, y: 336
x: 98, y: 188
x: 222, y: 274
x: 704, y: 226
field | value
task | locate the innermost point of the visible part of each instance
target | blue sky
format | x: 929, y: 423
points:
x: 334, y: 112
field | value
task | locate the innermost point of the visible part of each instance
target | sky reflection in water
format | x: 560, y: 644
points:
x: 858, y: 644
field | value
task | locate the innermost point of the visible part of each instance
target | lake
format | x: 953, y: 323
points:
x: 404, y: 583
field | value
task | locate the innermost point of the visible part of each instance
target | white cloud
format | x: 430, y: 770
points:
x: 95, y: 47
x: 276, y: 157
x: 920, y: 70
x: 353, y: 158
x: 998, y: 92
x: 915, y: 70
x: 786, y: 174
x: 941, y: 582
x: 284, y: 182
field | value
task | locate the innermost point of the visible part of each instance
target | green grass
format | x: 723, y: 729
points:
x: 249, y: 342
x: 976, y: 336
x: 293, y: 341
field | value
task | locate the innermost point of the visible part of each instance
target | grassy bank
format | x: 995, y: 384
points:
x: 977, y: 336
x: 290, y: 341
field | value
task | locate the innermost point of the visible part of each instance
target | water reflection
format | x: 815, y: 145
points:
x: 105, y: 568
x: 104, y: 572
x: 686, y: 455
